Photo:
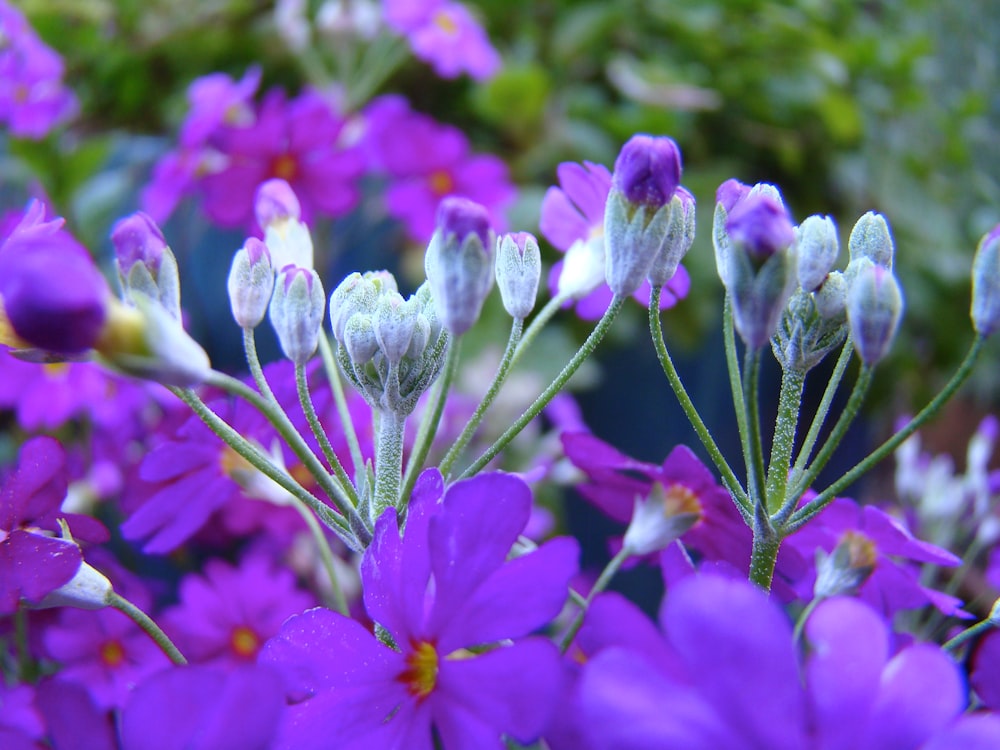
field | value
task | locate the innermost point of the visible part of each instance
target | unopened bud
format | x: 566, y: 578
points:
x: 251, y: 282
x: 87, y: 589
x: 518, y: 269
x: 818, y: 248
x: 146, y: 265
x: 986, y: 284
x: 831, y: 297
x: 760, y: 226
x: 296, y: 312
x: 680, y: 237
x: 275, y: 202
x: 874, y: 308
x: 661, y: 517
x: 871, y: 239
x: 648, y: 170
x: 459, y: 263
x: 359, y: 338
x: 395, y: 320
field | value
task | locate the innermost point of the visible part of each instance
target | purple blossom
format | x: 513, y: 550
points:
x: 427, y: 161
x: 728, y: 674
x: 226, y: 614
x: 33, y: 564
x: 573, y: 213
x: 648, y: 170
x: 443, y: 588
x: 761, y: 225
x: 33, y: 99
x: 216, y: 100
x: 453, y: 42
x: 894, y: 583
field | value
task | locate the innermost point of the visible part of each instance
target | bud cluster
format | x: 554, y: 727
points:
x: 390, y: 348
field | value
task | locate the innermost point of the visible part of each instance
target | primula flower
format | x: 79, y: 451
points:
x: 442, y: 591
x: 426, y: 162
x: 33, y: 564
x: 444, y: 34
x: 728, y: 674
x: 572, y: 219
x: 33, y: 99
x: 226, y: 614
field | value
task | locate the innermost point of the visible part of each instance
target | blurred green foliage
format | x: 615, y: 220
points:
x: 891, y: 105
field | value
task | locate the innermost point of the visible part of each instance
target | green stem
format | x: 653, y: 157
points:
x: 431, y: 419
x: 820, y: 501
x: 764, y: 552
x: 343, y: 410
x: 801, y: 622
x: 735, y: 377
x: 388, y: 462
x: 609, y: 572
x: 968, y: 634
x: 755, y: 457
x: 554, y: 388
x: 487, y: 401
x: 144, y: 621
x: 728, y: 477
x: 537, y: 324
x: 280, y: 420
x: 260, y: 462
x: 822, y: 410
x: 309, y: 409
x: 326, y: 556
x: 789, y: 403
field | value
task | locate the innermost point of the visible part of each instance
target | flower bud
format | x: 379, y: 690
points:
x: 87, y: 589
x: 871, y: 239
x: 355, y: 293
x: 661, y: 517
x: 874, y: 308
x: 459, y: 263
x: 760, y: 226
x: 986, y: 284
x: 729, y: 193
x: 831, y: 297
x: 637, y: 215
x: 845, y: 569
x: 395, y: 320
x: 804, y: 337
x: 518, y: 269
x: 146, y: 265
x: 251, y: 282
x: 680, y: 237
x: 818, y: 248
x: 296, y: 312
x: 275, y: 202
x: 360, y: 339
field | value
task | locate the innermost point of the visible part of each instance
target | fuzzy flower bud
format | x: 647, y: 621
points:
x: 459, y: 263
x: 986, y: 284
x: 831, y: 297
x: 360, y: 340
x: 518, y: 269
x: 660, y: 518
x: 275, y: 202
x: 87, y: 589
x: 680, y: 237
x: 286, y: 236
x: 296, y: 312
x: 395, y: 320
x: 637, y: 215
x: 146, y: 265
x: 871, y: 239
x: 874, y: 308
x: 251, y: 282
x: 818, y: 249
x: 760, y: 226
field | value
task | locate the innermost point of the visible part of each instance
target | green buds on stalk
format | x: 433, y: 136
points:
x: 518, y: 269
x: 296, y: 312
x: 818, y: 248
x: 871, y: 239
x: 251, y: 283
x: 637, y: 215
x: 805, y: 336
x: 874, y: 308
x: 986, y: 284
x: 390, y: 348
x: 680, y: 237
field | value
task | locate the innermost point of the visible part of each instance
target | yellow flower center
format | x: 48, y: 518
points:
x: 678, y: 499
x: 285, y: 167
x: 112, y: 653
x: 244, y: 642
x: 420, y: 675
x: 861, y: 551
x: 445, y: 22
x: 441, y: 183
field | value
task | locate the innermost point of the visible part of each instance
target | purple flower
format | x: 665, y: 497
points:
x: 137, y: 239
x: 33, y: 99
x: 442, y: 592
x: 728, y: 674
x: 203, y: 708
x: 298, y: 141
x: 894, y: 583
x: 51, y: 291
x: 32, y: 564
x: 225, y: 615
x: 217, y: 100
x: 648, y: 170
x: 761, y: 225
x: 572, y: 219
x: 731, y: 192
x: 426, y: 162
x: 453, y: 42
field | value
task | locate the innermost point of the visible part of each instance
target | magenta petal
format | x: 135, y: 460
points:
x: 512, y: 689
x: 985, y: 675
x: 848, y: 648
x: 727, y: 632
x: 587, y: 185
x: 174, y: 459
x: 970, y: 732
x: 592, y: 454
x: 32, y: 565
x: 520, y: 597
x: 921, y: 694
x: 169, y: 518
x: 471, y: 537
x: 561, y: 223
x: 73, y: 721
x: 612, y: 620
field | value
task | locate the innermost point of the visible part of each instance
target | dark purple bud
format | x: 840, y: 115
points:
x: 461, y: 217
x: 137, y: 239
x: 648, y: 170
x: 761, y: 226
x: 986, y: 284
x: 275, y: 201
x: 54, y: 297
x: 730, y: 193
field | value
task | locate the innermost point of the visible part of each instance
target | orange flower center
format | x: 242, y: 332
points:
x: 420, y: 675
x: 244, y: 642
x: 678, y: 499
x: 285, y: 167
x: 441, y: 182
x: 112, y: 653
x: 861, y: 551
x: 445, y: 22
